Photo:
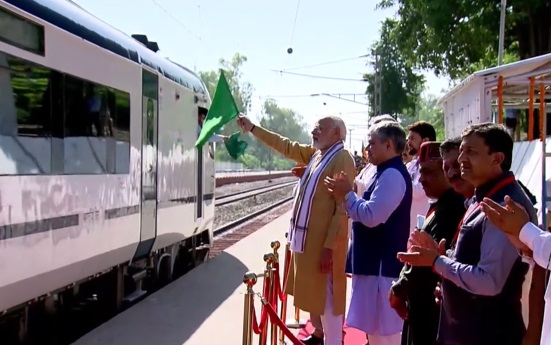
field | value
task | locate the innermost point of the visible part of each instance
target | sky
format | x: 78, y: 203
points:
x: 197, y: 33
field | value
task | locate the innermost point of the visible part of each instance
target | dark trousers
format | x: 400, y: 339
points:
x: 421, y: 328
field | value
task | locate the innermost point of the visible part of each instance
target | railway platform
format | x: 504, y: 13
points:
x: 203, y: 307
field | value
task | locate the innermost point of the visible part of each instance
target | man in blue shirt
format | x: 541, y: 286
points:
x: 380, y: 230
x: 482, y: 273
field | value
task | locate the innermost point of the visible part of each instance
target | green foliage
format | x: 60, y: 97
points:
x: 285, y: 122
x: 453, y: 36
x: 400, y: 84
x: 428, y: 110
x: 281, y: 120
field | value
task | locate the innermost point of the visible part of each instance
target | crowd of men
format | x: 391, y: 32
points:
x: 438, y: 249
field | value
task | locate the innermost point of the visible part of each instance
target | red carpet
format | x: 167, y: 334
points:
x: 352, y: 337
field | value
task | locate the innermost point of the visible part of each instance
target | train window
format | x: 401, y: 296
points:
x: 53, y: 123
x: 97, y: 128
x: 25, y: 117
x: 20, y: 32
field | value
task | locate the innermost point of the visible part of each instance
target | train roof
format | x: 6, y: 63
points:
x: 74, y: 19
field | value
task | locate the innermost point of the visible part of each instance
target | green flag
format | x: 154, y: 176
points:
x: 222, y: 110
x: 235, y: 146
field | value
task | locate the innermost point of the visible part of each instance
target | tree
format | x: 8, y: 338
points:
x: 283, y: 121
x: 427, y: 109
x: 452, y: 36
x: 400, y: 84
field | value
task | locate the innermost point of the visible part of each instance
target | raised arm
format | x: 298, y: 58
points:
x: 389, y: 191
x: 300, y: 153
x: 487, y: 278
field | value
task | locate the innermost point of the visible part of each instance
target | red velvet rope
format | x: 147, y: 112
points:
x: 258, y: 327
x: 281, y: 325
x: 278, y: 288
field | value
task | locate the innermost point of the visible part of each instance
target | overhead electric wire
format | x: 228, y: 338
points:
x: 324, y: 63
x: 317, y: 76
x: 176, y: 19
x: 294, y: 24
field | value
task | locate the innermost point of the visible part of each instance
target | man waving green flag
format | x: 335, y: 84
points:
x: 222, y: 110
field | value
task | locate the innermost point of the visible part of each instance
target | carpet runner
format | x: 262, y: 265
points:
x: 352, y: 336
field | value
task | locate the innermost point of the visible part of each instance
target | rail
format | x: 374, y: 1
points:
x: 234, y: 197
x: 229, y: 226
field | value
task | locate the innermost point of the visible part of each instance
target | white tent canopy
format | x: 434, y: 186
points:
x: 471, y: 101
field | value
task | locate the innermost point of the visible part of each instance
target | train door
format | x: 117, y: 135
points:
x: 200, y: 169
x: 150, y: 106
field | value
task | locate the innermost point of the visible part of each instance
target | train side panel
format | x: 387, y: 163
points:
x: 60, y: 226
x: 177, y: 174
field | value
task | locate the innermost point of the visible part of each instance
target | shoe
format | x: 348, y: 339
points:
x: 312, y: 340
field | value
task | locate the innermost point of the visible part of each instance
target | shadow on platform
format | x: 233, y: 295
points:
x: 172, y: 315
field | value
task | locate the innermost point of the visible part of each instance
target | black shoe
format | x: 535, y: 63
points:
x: 312, y: 340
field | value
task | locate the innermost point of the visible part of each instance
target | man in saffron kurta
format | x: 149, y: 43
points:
x: 380, y: 230
x: 319, y: 226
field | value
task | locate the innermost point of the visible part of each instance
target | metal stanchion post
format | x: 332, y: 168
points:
x: 249, y: 280
x: 268, y: 272
x: 283, y: 314
x: 275, y: 247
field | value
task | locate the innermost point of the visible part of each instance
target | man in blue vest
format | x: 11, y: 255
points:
x: 482, y: 273
x: 380, y: 230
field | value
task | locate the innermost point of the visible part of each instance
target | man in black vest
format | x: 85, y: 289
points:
x: 482, y: 273
x: 416, y: 284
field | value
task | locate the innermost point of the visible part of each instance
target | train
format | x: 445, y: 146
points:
x: 101, y: 186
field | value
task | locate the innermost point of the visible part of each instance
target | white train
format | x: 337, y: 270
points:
x: 99, y: 176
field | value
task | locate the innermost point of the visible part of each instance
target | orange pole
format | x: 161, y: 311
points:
x: 531, y: 109
x: 542, y: 111
x: 500, y: 100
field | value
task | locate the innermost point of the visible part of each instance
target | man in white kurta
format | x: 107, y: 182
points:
x: 419, y: 132
x: 531, y: 241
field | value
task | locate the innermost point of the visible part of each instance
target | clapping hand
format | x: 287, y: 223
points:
x: 339, y: 185
x: 509, y: 219
x: 424, y: 250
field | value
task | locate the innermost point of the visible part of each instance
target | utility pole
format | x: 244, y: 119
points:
x: 501, y: 47
x: 378, y: 81
x: 350, y: 139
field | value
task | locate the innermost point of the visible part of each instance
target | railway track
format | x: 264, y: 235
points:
x: 238, y: 196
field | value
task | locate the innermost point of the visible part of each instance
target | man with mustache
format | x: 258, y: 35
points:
x: 412, y: 295
x: 449, y: 150
x: 482, y: 273
x: 361, y: 183
x: 318, y: 232
x: 380, y: 229
x: 419, y: 132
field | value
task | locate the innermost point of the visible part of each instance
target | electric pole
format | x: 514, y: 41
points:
x: 377, y: 87
x: 501, y: 47
x: 350, y: 139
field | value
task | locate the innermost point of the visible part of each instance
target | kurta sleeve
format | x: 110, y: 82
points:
x: 294, y: 150
x: 415, y: 280
x: 343, y: 162
x: 488, y: 276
